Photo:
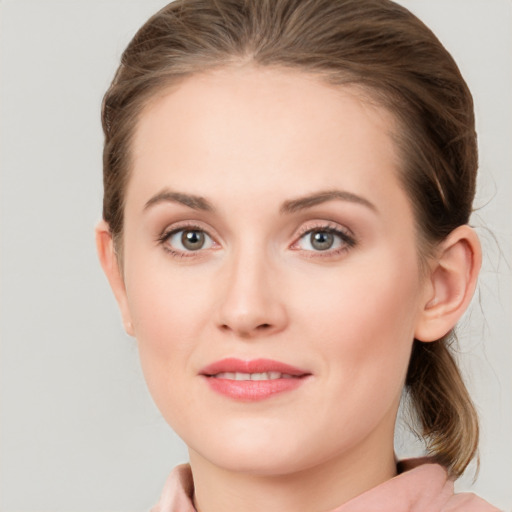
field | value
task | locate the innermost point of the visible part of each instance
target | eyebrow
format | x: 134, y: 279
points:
x: 302, y: 203
x: 190, y: 200
x: 290, y: 206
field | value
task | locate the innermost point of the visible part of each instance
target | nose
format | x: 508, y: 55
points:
x: 251, y: 302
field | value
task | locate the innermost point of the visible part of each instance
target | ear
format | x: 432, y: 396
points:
x: 110, y: 264
x: 450, y: 284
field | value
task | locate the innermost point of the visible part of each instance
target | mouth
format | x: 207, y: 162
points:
x: 253, y: 380
x: 253, y: 376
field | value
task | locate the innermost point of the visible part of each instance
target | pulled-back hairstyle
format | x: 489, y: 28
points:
x: 398, y: 63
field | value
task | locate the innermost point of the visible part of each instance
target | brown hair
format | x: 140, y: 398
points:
x: 375, y: 45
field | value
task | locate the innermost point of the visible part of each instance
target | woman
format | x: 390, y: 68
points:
x: 287, y: 190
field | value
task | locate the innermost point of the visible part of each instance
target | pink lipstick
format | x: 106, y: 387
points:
x: 252, y: 380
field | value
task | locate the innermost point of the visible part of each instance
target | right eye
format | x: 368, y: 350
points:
x: 187, y: 240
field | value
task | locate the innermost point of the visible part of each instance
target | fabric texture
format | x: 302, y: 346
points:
x: 422, y: 486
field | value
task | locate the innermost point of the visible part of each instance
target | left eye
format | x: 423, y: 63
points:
x: 189, y: 240
x: 322, y: 240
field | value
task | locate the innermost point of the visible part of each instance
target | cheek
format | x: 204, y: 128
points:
x: 363, y: 328
x: 166, y: 304
x: 364, y: 317
x: 168, y: 316
x: 378, y: 294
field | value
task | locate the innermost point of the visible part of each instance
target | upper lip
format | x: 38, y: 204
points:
x: 233, y: 365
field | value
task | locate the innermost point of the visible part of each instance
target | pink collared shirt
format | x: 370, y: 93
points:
x: 423, y: 486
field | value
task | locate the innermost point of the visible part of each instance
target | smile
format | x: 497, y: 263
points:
x: 253, y: 380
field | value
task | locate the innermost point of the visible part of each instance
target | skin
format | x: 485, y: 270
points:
x: 249, y: 141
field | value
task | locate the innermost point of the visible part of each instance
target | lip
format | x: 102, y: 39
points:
x: 234, y: 365
x: 252, y: 390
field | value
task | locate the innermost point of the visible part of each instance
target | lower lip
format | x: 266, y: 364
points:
x: 253, y: 390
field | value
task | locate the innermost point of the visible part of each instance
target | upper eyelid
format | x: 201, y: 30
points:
x: 184, y: 226
x: 325, y: 225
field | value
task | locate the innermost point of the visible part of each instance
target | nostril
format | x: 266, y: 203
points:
x: 263, y: 327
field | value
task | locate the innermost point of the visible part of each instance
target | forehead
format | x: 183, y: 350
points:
x: 245, y: 126
x: 272, y: 97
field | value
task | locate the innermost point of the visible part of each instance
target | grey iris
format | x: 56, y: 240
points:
x: 192, y: 240
x: 321, y: 240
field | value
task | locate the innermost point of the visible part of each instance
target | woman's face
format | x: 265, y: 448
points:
x: 267, y: 237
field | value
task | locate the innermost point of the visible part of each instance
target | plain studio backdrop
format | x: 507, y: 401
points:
x: 79, y: 431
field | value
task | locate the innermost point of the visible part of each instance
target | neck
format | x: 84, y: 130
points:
x: 316, y: 489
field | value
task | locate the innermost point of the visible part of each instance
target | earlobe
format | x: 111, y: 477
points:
x: 451, y: 284
x: 110, y: 264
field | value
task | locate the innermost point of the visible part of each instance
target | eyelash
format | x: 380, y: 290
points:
x: 347, y: 240
x: 164, y: 238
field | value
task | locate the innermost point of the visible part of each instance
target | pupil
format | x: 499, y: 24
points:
x: 321, y: 240
x: 192, y: 240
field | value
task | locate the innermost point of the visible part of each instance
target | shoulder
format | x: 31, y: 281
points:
x: 468, y: 502
x: 426, y: 467
x: 421, y: 486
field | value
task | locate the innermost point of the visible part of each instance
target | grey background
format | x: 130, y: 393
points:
x: 78, y: 429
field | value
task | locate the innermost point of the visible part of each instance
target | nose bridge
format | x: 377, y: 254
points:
x: 251, y: 302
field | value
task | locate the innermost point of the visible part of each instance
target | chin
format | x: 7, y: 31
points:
x: 263, y: 452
